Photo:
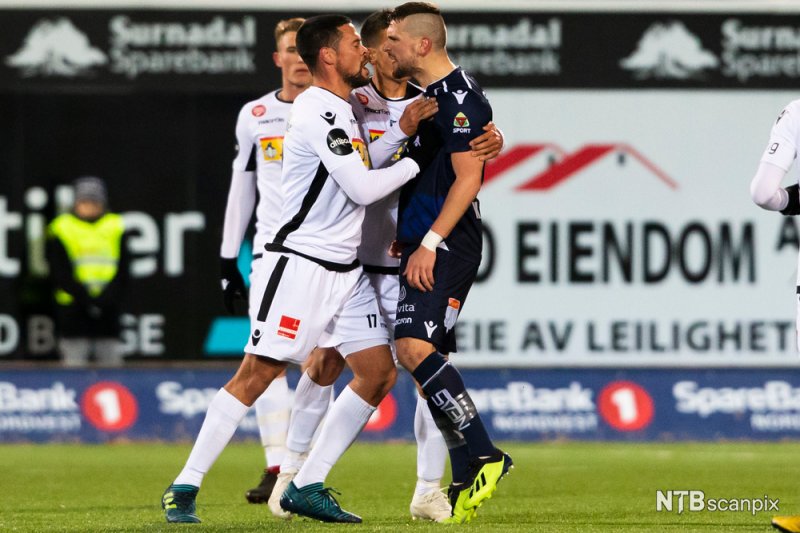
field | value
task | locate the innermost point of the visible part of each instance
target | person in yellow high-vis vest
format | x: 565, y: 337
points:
x: 88, y: 262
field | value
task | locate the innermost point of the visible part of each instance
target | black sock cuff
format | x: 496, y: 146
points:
x: 428, y: 368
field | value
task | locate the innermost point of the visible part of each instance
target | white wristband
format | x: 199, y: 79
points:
x: 431, y: 240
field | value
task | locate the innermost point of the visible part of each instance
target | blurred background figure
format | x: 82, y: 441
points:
x: 89, y: 268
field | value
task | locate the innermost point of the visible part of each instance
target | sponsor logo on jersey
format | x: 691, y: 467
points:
x: 405, y: 308
x: 669, y: 51
x: 461, y: 120
x: 406, y: 320
x: 374, y: 135
x: 259, y: 110
x: 451, y: 313
x: 271, y: 148
x: 288, y: 327
x: 329, y: 117
x: 361, y: 148
x: 56, y: 48
x: 402, y: 295
x: 338, y: 142
x: 255, y: 337
x: 362, y: 98
x: 430, y: 327
x: 460, y: 95
x: 376, y: 111
x: 461, y: 123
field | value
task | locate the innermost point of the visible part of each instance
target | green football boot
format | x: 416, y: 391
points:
x: 458, y: 495
x: 178, y: 504
x: 317, y: 502
x: 485, y: 473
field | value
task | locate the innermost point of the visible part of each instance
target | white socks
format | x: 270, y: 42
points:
x: 224, y: 414
x: 347, y: 418
x: 272, y: 412
x: 431, y: 449
x: 311, y: 402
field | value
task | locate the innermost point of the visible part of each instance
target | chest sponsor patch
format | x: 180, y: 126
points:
x: 339, y: 142
x: 361, y: 148
x: 259, y: 110
x: 288, y: 327
x: 271, y: 148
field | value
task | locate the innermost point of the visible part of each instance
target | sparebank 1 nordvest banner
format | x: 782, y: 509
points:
x: 620, y: 230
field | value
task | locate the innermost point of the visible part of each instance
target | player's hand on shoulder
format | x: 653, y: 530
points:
x: 793, y: 207
x: 232, y: 283
x: 489, y: 144
x: 415, y: 112
x: 423, y: 146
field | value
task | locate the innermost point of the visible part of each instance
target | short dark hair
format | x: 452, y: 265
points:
x: 286, y: 26
x: 414, y: 8
x: 317, y: 33
x: 374, y: 25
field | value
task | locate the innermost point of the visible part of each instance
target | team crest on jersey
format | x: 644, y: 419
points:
x: 362, y: 98
x: 271, y: 148
x: 259, y: 110
x: 288, y: 327
x: 361, y: 148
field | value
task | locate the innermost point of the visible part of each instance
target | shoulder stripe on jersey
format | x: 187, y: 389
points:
x: 272, y: 287
x: 308, y: 202
x: 251, y: 161
x: 464, y: 75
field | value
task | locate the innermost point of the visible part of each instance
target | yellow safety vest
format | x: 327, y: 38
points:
x: 92, y: 247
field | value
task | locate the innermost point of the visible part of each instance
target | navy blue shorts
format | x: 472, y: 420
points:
x: 431, y: 316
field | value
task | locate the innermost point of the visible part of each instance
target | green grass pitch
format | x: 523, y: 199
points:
x: 554, y: 487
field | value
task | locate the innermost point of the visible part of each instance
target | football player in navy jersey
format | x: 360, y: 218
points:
x: 439, y: 231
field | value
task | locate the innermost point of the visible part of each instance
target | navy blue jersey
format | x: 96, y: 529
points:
x: 463, y: 111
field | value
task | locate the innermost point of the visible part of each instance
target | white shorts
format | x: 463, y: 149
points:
x: 296, y: 304
x: 387, y: 288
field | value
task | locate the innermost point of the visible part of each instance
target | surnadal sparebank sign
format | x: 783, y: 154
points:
x: 101, y: 406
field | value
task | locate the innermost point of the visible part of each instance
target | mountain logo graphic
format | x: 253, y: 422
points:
x: 669, y: 51
x: 56, y: 48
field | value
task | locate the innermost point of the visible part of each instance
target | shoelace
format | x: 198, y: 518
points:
x: 328, y: 499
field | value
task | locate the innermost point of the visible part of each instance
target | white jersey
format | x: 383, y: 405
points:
x: 318, y: 219
x: 259, y: 135
x: 784, y: 138
x: 376, y: 114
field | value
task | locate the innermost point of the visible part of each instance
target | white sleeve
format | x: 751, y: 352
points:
x: 766, y: 190
x: 238, y: 211
x: 783, y: 139
x: 368, y: 186
x: 245, y: 144
x: 382, y: 150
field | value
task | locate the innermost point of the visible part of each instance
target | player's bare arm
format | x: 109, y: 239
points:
x: 469, y: 171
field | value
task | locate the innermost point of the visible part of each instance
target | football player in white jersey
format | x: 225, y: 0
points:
x: 309, y: 289
x: 766, y: 191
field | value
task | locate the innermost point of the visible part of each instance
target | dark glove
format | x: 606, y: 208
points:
x: 232, y: 283
x: 423, y: 146
x: 793, y: 207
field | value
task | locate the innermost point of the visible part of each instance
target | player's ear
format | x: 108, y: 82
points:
x: 327, y: 55
x: 424, y: 46
x: 276, y: 59
x: 372, y: 55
